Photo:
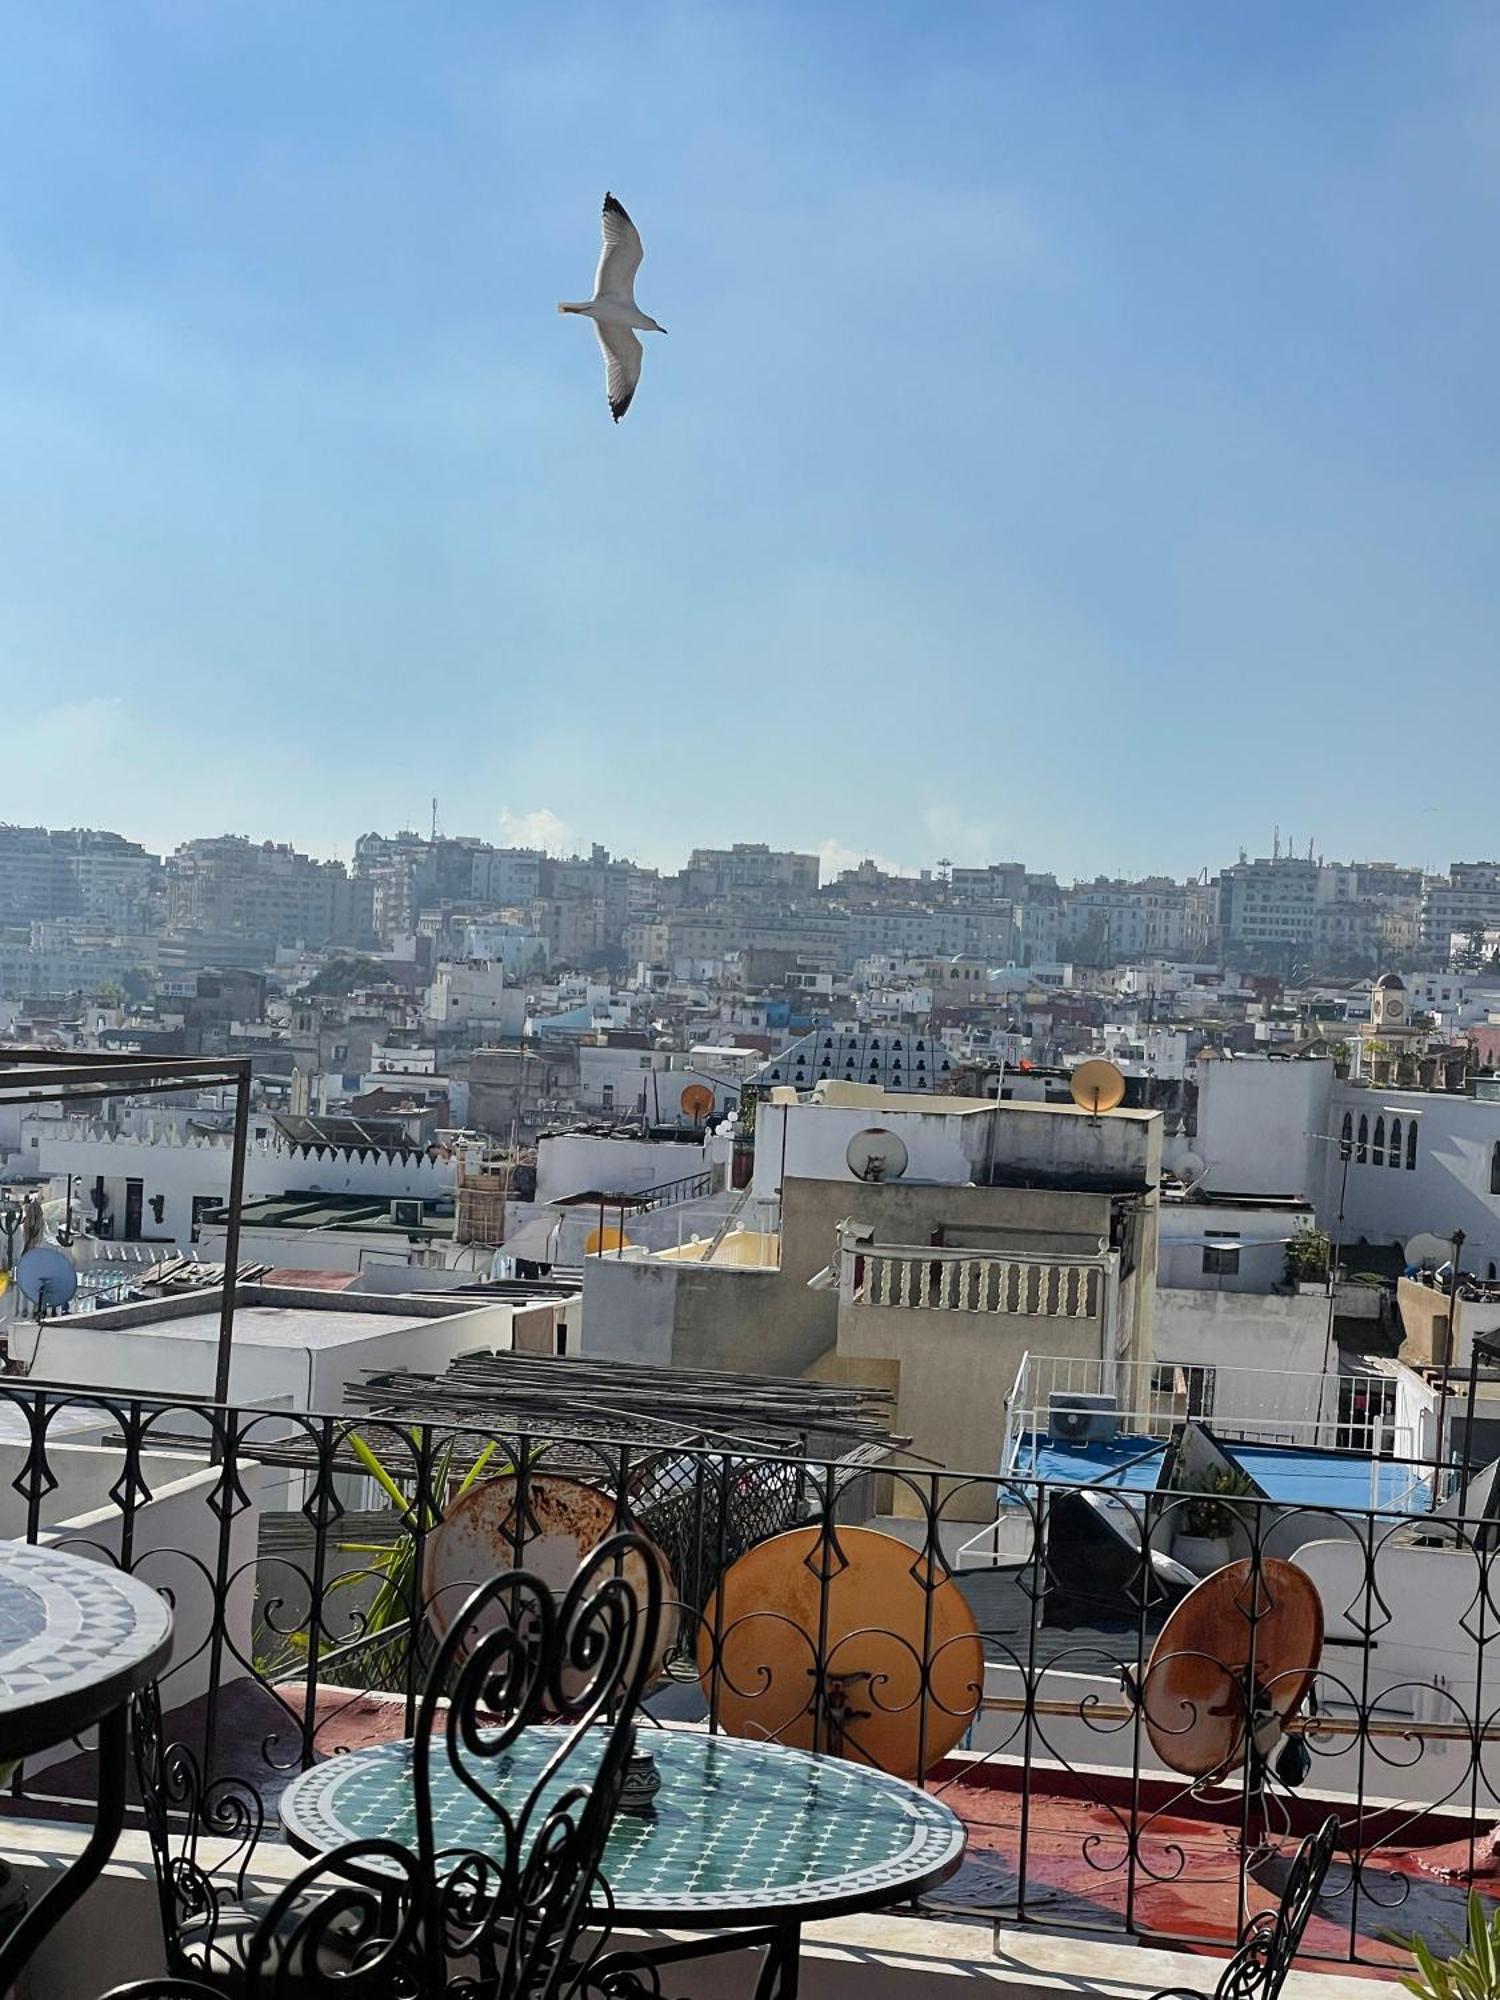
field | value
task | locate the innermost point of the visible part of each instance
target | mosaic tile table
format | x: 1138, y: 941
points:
x: 740, y: 1834
x: 77, y: 1639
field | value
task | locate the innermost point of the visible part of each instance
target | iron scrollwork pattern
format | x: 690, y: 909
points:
x: 1268, y: 1949
x: 298, y: 1586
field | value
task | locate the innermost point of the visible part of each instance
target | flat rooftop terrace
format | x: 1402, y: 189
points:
x: 299, y: 1327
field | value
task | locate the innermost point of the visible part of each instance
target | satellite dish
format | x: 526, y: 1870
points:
x: 1189, y: 1168
x: 46, y: 1277
x: 1425, y: 1248
x: 607, y: 1238
x: 1238, y: 1650
x: 485, y: 1533
x: 870, y: 1605
x: 1097, y: 1086
x: 697, y: 1100
x: 876, y: 1155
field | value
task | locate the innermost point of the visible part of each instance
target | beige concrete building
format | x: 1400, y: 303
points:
x: 1033, y: 1229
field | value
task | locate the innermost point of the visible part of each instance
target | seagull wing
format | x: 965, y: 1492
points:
x: 621, y: 256
x: 622, y: 366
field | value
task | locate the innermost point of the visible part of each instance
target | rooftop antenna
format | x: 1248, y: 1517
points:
x: 434, y: 817
x: 1275, y: 843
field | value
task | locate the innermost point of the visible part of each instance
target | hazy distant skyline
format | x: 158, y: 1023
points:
x: 1115, y: 478
x: 545, y: 832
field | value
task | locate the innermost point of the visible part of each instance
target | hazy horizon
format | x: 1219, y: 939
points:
x: 1074, y: 441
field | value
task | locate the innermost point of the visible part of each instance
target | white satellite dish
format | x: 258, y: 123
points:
x: 1190, y: 1167
x: 876, y: 1155
x: 46, y: 1276
x: 1425, y: 1248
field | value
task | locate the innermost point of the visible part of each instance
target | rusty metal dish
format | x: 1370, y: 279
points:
x: 485, y: 1533
x: 1240, y: 1641
x: 871, y: 1607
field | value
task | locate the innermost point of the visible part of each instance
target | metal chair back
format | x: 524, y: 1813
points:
x: 1269, y: 1945
x: 203, y: 1836
x: 499, y: 1920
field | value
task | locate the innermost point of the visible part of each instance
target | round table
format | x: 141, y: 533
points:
x: 740, y: 1833
x: 77, y: 1640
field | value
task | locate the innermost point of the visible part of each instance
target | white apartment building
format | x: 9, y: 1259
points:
x: 1291, y: 900
x: 517, y: 947
x: 155, y: 1183
x: 1466, y: 899
x: 472, y: 993
x: 1136, y: 919
x: 974, y: 930
x: 1419, y: 1161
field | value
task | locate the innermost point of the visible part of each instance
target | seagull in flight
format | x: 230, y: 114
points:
x: 613, y: 308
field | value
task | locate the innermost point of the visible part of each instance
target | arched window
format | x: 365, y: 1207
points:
x: 1362, y: 1153
x: 1346, y: 1137
x: 1395, y: 1142
x: 1411, y: 1146
x: 1377, y: 1150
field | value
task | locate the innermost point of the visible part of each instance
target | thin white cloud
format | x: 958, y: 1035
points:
x: 971, y: 843
x: 834, y: 857
x: 541, y: 827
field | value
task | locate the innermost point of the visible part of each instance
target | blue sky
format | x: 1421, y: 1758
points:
x: 1075, y: 439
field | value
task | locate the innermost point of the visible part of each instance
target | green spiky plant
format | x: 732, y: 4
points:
x: 394, y: 1564
x: 1472, y: 1973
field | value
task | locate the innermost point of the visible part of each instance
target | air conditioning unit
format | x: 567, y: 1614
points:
x: 1080, y: 1419
x: 406, y: 1214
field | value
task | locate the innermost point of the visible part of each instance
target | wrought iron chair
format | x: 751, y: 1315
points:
x: 203, y: 1838
x: 1259, y: 1968
x: 377, y: 1918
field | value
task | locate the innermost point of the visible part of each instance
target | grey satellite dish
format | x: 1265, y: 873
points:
x: 876, y: 1155
x: 46, y: 1277
x: 1425, y: 1248
x: 1189, y: 1167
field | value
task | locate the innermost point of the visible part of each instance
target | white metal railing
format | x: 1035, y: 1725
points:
x: 975, y: 1281
x: 1256, y: 1405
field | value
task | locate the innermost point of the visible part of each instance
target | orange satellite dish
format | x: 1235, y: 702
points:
x: 869, y: 1599
x: 1236, y: 1646
x: 697, y: 1101
x: 1096, y: 1085
x: 607, y: 1238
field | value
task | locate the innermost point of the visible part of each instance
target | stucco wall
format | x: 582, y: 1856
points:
x: 1233, y: 1329
x: 975, y: 1140
x: 955, y: 1372
x: 1255, y: 1118
x: 1448, y: 1189
x: 770, y: 1321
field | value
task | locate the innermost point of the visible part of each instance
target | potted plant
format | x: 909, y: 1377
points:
x: 1209, y: 1519
x: 1472, y: 1973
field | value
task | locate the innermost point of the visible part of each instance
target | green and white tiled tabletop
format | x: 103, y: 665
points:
x: 76, y: 1639
x: 739, y: 1830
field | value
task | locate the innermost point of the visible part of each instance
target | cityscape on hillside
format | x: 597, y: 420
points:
x: 84, y: 911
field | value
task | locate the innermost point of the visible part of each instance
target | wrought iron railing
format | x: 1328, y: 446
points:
x: 1025, y: 1689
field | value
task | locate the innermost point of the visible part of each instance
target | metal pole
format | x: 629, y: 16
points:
x: 1479, y: 1341
x: 1448, y: 1346
x: 1346, y: 1149
x: 232, y: 1233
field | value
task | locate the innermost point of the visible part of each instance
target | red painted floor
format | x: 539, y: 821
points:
x: 1184, y: 1885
